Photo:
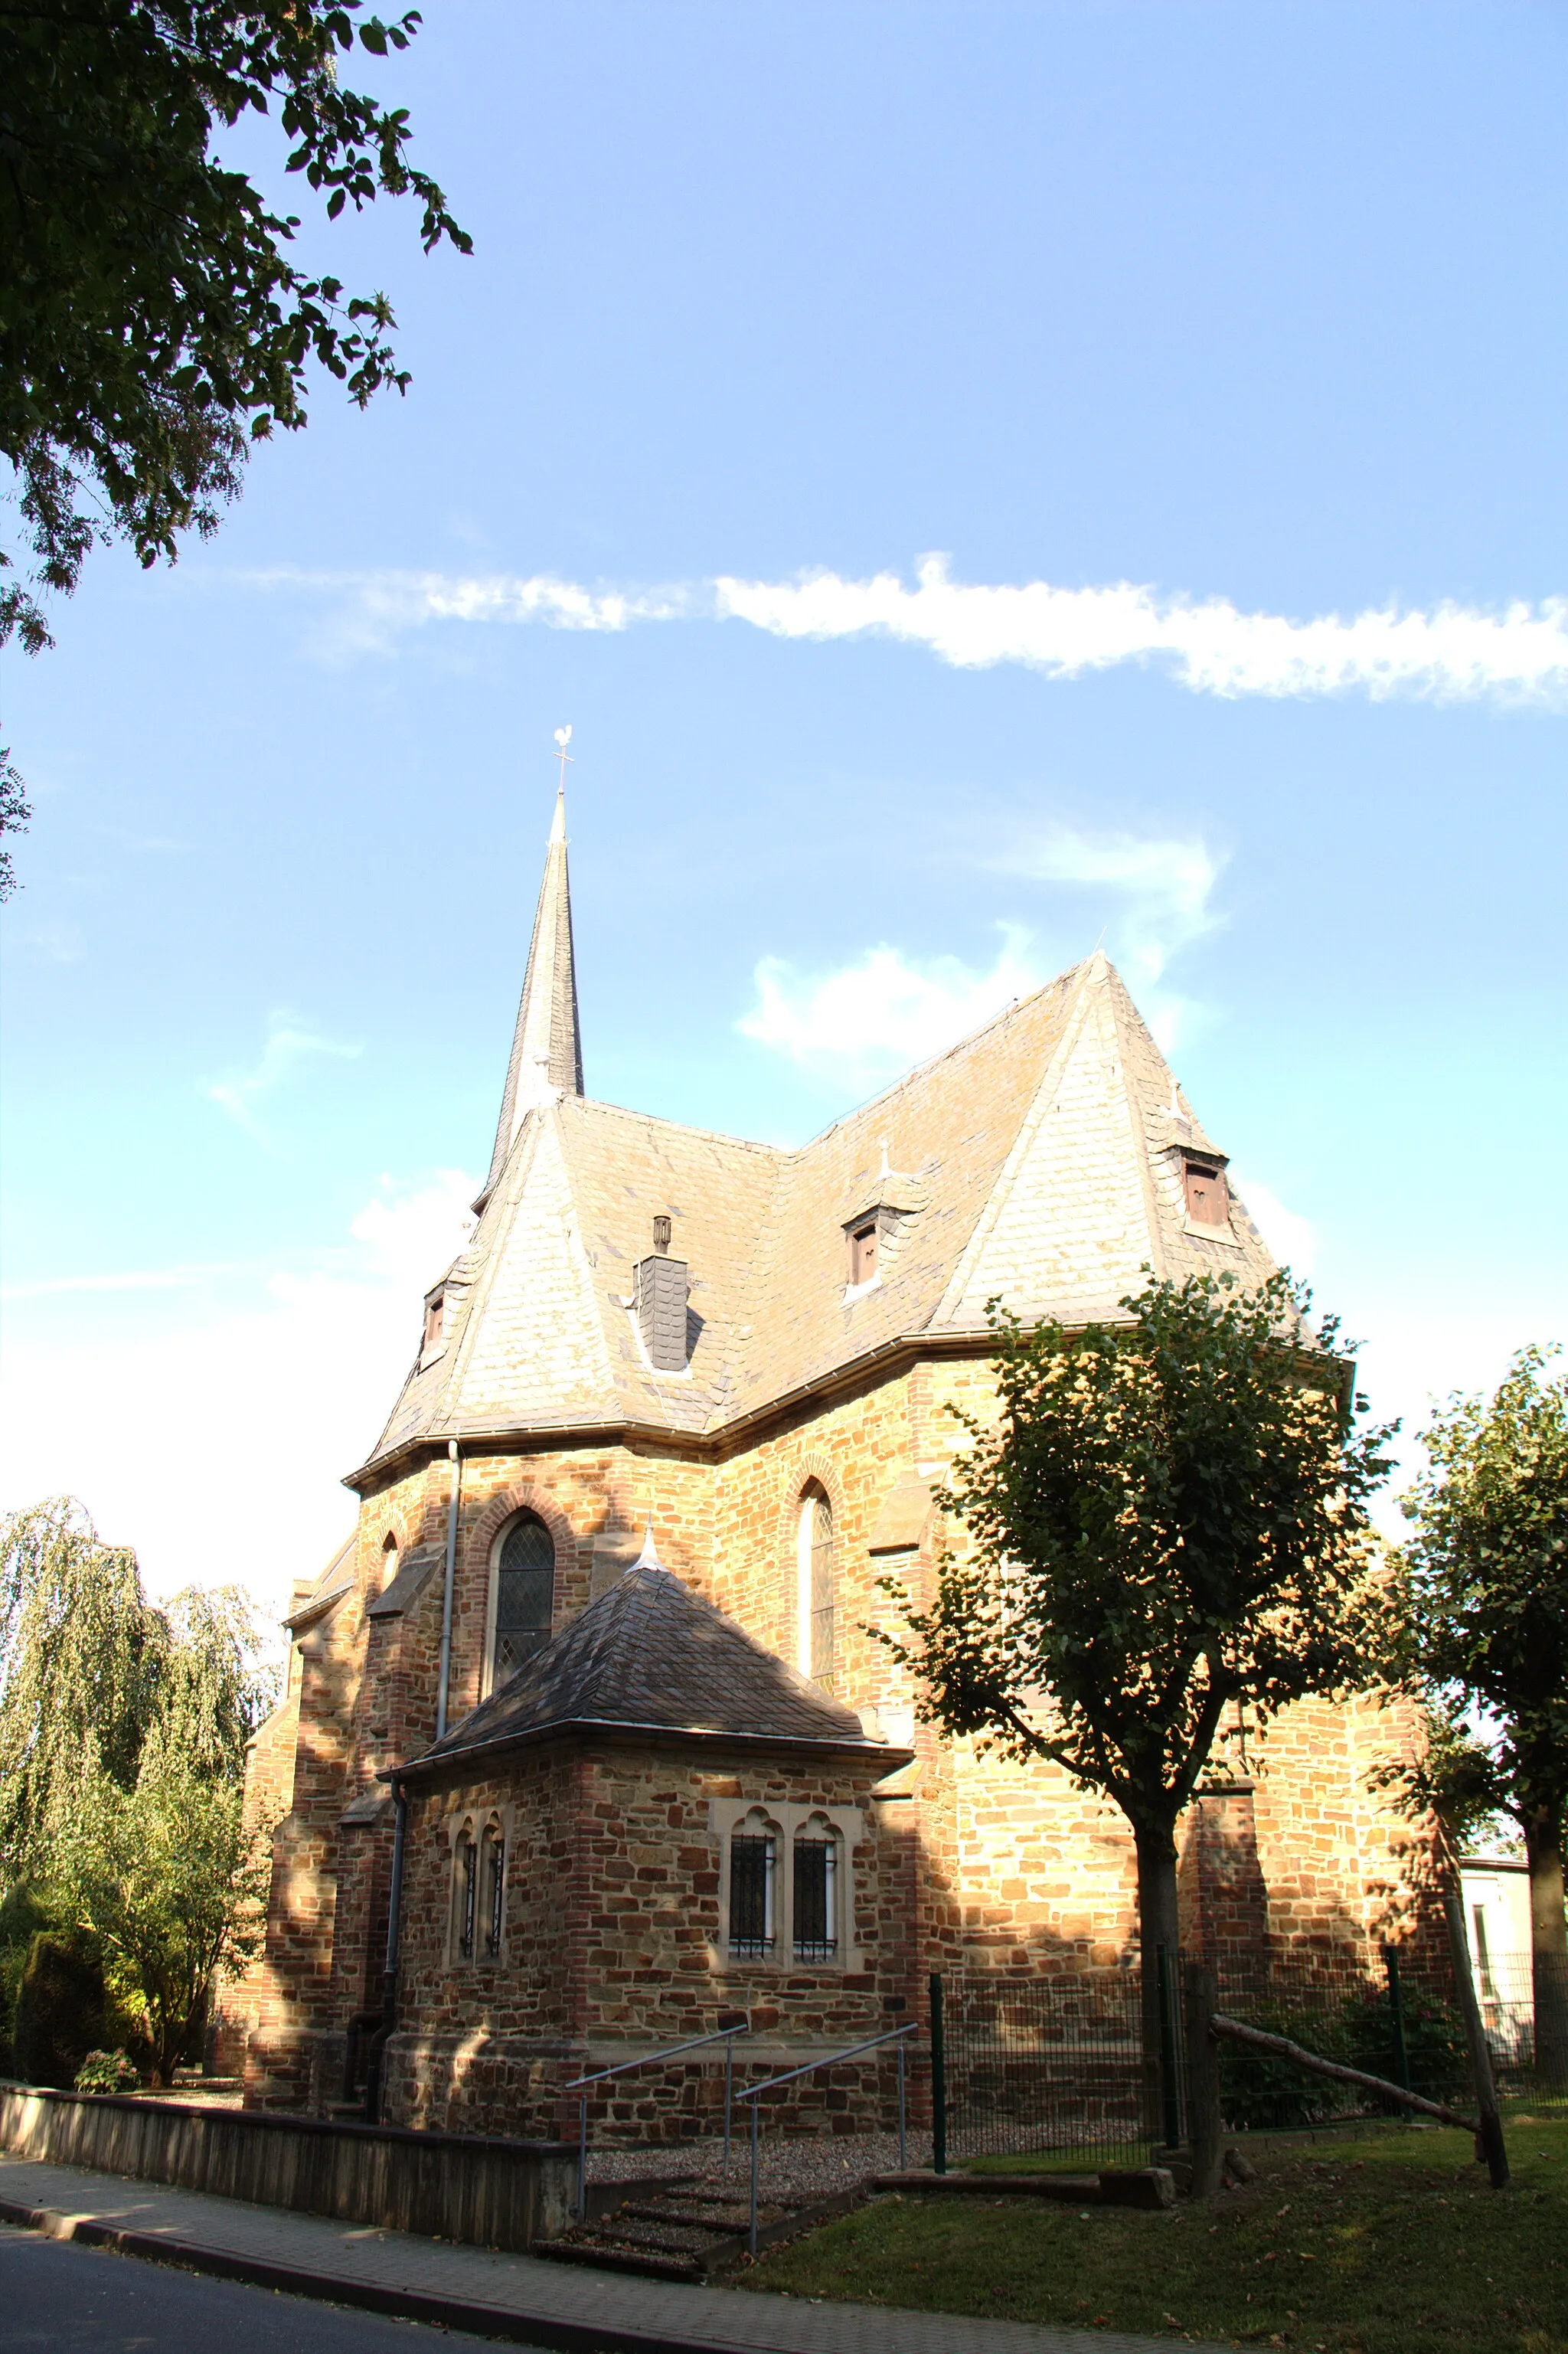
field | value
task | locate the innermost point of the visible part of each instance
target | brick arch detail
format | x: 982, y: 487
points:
x: 813, y: 1463
x: 506, y: 1507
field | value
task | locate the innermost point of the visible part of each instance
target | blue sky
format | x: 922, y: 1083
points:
x: 1253, y: 316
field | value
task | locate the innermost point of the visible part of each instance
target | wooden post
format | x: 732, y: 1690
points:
x: 1205, y: 2127
x: 1489, y: 2135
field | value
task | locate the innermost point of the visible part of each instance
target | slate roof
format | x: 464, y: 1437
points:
x: 1039, y: 1160
x: 652, y: 1656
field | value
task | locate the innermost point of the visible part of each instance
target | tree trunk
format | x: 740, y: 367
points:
x: 1548, y: 1947
x: 1156, y: 1928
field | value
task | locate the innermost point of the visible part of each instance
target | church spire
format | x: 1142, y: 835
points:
x: 546, y: 1050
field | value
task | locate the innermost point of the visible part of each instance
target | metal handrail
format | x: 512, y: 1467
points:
x: 724, y: 2035
x: 829, y: 2059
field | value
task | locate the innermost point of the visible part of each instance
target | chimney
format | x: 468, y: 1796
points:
x: 661, y: 1290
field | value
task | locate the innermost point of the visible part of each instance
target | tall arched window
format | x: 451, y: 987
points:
x: 523, y: 1596
x: 816, y: 1586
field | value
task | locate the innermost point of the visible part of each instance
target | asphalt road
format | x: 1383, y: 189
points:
x: 54, y: 2294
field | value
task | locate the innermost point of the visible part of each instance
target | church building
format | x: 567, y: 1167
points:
x: 585, y: 1745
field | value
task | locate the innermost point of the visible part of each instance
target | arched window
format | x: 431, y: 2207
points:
x: 465, y: 1893
x: 388, y: 1562
x: 816, y: 1586
x: 815, y: 1893
x: 523, y: 1596
x: 493, y: 1888
x: 753, y: 1855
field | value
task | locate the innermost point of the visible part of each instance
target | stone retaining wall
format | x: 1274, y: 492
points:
x: 492, y: 2193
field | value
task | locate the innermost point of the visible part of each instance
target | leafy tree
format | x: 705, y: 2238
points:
x: 173, y: 1886
x: 1486, y: 1624
x: 1169, y: 1530
x: 152, y: 321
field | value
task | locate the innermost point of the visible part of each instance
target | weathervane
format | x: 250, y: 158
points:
x: 563, y: 737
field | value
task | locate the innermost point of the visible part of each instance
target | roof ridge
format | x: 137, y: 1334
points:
x: 1009, y: 1012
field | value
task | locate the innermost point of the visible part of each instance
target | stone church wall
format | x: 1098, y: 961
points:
x: 612, y: 1944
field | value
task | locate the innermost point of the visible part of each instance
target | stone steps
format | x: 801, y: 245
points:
x: 686, y: 2236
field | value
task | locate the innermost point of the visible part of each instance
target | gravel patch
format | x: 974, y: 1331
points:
x: 793, y: 2170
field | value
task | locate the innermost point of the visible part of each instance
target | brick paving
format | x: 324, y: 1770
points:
x: 517, y: 2297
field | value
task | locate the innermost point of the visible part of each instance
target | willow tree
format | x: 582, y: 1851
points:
x: 81, y: 1654
x: 122, y: 1733
x: 1167, y: 1533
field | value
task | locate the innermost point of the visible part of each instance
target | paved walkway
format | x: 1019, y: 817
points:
x: 523, y: 2298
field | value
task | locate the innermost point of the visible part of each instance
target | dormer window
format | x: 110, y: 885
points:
x: 862, y: 1252
x: 1208, y: 1200
x: 435, y: 1318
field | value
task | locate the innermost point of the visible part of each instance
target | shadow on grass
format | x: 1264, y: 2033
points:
x: 1390, y: 2243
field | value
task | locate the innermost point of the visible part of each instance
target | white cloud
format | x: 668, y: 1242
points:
x: 289, y: 1041
x: 215, y: 1443
x: 1155, y: 897
x: 886, y: 1010
x: 1451, y: 652
x: 149, y: 1279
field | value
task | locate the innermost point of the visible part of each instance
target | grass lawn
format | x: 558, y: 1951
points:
x: 1391, y: 2243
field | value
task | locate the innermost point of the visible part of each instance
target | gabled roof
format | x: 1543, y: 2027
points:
x: 651, y: 1656
x: 1040, y: 1160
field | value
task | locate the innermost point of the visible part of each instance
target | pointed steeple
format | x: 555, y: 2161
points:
x: 547, y: 1049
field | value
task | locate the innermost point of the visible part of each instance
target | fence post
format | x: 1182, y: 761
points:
x: 582, y: 2161
x: 939, y: 2078
x: 903, y: 2132
x: 1205, y: 2127
x: 1169, y: 2099
x: 751, y: 2237
x: 729, y: 2094
x: 1396, y: 2020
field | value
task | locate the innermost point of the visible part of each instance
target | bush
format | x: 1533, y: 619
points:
x: 1262, y: 2093
x: 107, y: 2071
x: 62, y: 2008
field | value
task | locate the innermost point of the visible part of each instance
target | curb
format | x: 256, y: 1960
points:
x: 551, y: 2330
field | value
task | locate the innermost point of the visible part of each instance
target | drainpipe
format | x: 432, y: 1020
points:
x: 447, y: 1592
x: 388, y: 2028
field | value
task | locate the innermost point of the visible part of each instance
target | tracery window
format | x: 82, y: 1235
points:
x: 816, y: 1586
x: 523, y: 1596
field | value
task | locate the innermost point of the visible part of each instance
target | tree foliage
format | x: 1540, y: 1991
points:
x: 79, y: 1674
x: 1484, y: 1622
x: 1168, y: 1533
x: 122, y: 1733
x: 153, y: 322
x: 172, y: 1884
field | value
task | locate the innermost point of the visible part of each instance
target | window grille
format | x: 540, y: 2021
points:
x: 496, y: 1894
x: 751, y: 1895
x: 525, y: 1596
x: 816, y: 1877
x: 469, y: 1898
